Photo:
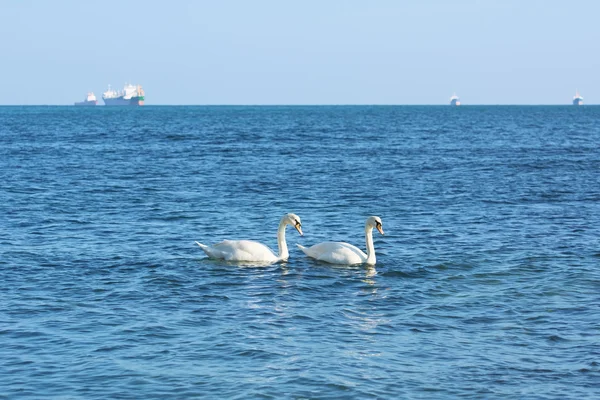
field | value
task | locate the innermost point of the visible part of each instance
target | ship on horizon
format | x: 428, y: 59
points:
x: 577, y: 99
x: 90, y: 100
x: 454, y: 100
x: 130, y: 96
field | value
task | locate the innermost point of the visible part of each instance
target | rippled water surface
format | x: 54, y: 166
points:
x: 487, y: 283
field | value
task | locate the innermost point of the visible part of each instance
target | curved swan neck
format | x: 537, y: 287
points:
x: 281, y: 243
x: 370, y: 247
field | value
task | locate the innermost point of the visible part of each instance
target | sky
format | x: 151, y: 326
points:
x: 225, y: 52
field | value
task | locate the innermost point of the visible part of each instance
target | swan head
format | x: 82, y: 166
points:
x: 294, y: 220
x: 375, y: 222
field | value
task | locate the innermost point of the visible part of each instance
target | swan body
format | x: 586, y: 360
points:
x: 249, y: 250
x: 345, y: 253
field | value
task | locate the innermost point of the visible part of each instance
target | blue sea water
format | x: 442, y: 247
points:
x: 487, y: 283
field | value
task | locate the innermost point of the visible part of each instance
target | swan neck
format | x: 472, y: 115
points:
x: 370, y: 247
x: 281, y: 243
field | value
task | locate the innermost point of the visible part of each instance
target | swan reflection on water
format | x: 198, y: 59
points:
x: 370, y: 273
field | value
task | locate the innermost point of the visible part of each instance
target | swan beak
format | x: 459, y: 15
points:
x: 380, y: 229
x: 299, y: 229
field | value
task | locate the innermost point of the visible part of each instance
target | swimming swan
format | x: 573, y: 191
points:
x: 248, y: 250
x: 344, y: 253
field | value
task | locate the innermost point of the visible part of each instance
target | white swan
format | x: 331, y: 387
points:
x: 248, y: 250
x: 344, y: 253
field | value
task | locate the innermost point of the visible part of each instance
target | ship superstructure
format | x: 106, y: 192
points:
x: 454, y: 100
x: 577, y: 99
x: 131, y: 95
x: 90, y: 100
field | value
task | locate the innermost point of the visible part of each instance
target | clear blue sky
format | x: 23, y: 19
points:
x: 302, y: 52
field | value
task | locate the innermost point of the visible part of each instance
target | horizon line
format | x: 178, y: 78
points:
x: 304, y: 105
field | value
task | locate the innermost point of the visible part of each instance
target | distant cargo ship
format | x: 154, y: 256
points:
x: 90, y: 100
x: 454, y: 100
x: 130, y: 96
x: 577, y: 99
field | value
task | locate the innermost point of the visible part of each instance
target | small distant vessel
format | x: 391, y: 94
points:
x: 577, y: 99
x: 130, y: 96
x: 90, y: 100
x: 454, y: 100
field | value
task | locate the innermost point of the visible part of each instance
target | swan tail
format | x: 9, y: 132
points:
x: 304, y: 249
x: 206, y: 249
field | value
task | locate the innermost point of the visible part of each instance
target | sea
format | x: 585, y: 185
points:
x: 486, y: 286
